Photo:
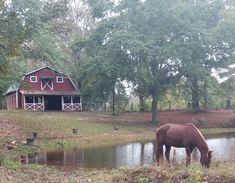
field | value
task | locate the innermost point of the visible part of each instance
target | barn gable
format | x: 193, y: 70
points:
x: 46, y: 89
x: 48, y: 73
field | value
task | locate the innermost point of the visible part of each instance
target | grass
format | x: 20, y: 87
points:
x: 52, y: 123
x: 53, y: 127
x: 219, y: 172
x: 94, y: 129
x: 55, y: 130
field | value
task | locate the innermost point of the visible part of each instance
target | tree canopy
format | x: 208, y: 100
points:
x: 159, y: 47
x: 158, y: 42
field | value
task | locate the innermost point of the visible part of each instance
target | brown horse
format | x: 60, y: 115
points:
x: 185, y: 135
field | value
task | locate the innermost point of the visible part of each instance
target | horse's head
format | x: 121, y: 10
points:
x: 206, y: 159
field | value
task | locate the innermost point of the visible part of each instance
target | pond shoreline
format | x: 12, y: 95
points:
x: 94, y: 129
x: 125, y: 154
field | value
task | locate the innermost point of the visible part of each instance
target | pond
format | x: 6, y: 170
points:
x: 134, y: 153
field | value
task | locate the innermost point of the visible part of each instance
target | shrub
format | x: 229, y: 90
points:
x: 143, y: 180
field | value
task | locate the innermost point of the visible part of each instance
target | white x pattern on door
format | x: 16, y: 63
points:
x: 47, y: 85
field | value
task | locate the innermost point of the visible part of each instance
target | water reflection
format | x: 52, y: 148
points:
x: 134, y: 154
x: 137, y: 153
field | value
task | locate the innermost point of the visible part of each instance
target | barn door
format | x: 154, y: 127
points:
x: 46, y: 84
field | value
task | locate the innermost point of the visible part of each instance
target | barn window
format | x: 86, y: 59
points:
x: 29, y: 99
x: 38, y: 100
x: 59, y: 79
x: 71, y: 99
x: 33, y: 79
x: 76, y: 99
x: 33, y: 99
x: 67, y: 99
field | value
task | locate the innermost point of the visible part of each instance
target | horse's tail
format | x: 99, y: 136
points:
x: 159, y: 129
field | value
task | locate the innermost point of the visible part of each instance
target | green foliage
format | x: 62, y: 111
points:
x: 33, y: 167
x: 127, y: 53
x: 29, y: 39
x: 143, y: 180
x: 201, y: 43
x: 195, y: 175
x: 99, y: 7
x: 232, y: 123
x: 11, y: 164
x: 153, y: 44
x: 158, y: 46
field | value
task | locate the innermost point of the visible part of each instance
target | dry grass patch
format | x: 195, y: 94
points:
x: 193, y: 174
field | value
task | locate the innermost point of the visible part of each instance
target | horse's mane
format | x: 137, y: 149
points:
x: 196, y: 129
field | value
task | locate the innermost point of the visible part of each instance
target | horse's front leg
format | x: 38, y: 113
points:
x: 188, y: 152
x: 167, y: 153
x: 159, y: 154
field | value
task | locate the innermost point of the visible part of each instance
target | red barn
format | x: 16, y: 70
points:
x: 44, y: 89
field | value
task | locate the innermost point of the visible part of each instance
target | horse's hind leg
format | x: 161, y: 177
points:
x: 167, y: 153
x: 159, y: 154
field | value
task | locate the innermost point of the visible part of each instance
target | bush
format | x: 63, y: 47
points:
x: 143, y: 180
x: 10, y: 164
x: 232, y: 123
x: 195, y: 175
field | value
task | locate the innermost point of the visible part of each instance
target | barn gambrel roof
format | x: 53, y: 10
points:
x: 47, y: 67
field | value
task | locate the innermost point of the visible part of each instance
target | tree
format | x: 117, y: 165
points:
x: 12, y: 36
x: 27, y: 39
x: 103, y: 72
x: 153, y: 44
x: 201, y: 51
x: 228, y: 90
x: 138, y: 44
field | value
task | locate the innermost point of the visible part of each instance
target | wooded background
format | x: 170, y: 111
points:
x: 169, y: 54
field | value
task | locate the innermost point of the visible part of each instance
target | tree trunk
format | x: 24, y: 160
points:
x: 189, y: 105
x: 195, y: 96
x: 105, y: 106
x: 113, y: 100
x: 228, y: 103
x: 132, y: 107
x: 169, y: 105
x: 222, y: 104
x: 141, y: 98
x: 205, y: 94
x: 155, y: 119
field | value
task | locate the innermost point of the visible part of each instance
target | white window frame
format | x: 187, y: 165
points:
x: 71, y: 102
x: 71, y: 99
x: 34, y: 106
x: 59, y: 77
x: 36, y: 79
x: 34, y: 99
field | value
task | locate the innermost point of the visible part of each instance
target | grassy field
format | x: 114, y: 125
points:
x: 94, y: 129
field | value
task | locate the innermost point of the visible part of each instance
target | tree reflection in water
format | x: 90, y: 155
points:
x: 136, y: 153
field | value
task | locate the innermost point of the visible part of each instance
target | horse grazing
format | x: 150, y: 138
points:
x: 182, y: 135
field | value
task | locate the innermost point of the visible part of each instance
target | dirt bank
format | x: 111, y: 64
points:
x: 212, y: 118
